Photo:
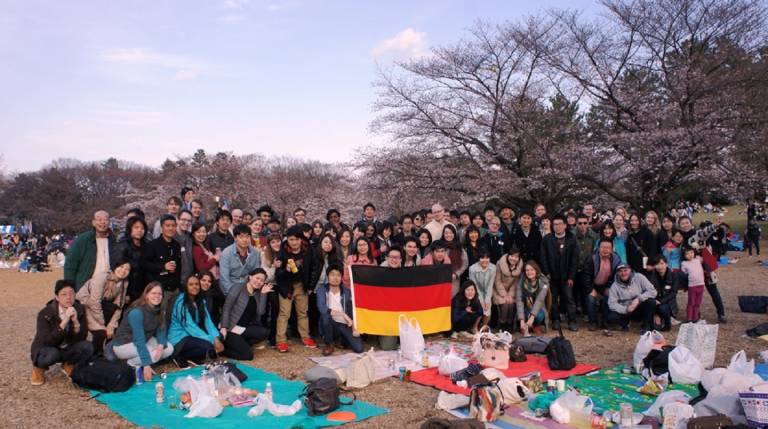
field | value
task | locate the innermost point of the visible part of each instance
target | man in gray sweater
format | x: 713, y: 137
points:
x: 631, y: 298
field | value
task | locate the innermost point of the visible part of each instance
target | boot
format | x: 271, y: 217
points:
x: 38, y: 376
x: 67, y: 368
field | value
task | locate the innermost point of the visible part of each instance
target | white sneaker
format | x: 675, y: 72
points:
x: 465, y: 334
x: 674, y: 321
x: 454, y: 335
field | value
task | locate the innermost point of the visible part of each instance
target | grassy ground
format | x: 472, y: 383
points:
x: 735, y: 217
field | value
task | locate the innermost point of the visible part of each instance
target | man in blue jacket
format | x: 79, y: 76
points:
x: 335, y: 306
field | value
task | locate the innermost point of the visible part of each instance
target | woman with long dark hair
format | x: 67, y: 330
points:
x: 425, y: 242
x: 192, y: 332
x: 130, y: 249
x: 608, y: 232
x: 466, y: 311
x: 202, y: 255
x: 641, y: 245
x: 214, y: 297
x: 363, y: 256
x: 456, y: 254
x: 344, y: 240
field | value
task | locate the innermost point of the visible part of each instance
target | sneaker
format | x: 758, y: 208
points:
x: 674, y: 322
x: 572, y: 327
x: 67, y: 368
x: 454, y: 335
x: 261, y: 346
x: 592, y: 327
x: 607, y: 333
x: 466, y: 334
x: 327, y: 350
x: 282, y: 347
x: 309, y: 343
x: 38, y: 376
x: 556, y: 325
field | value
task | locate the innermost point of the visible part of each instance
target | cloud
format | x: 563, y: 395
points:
x: 405, y: 44
x: 235, y: 4
x: 140, y: 62
x: 234, y: 17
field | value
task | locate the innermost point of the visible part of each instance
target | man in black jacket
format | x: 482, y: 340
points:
x: 221, y: 238
x: 162, y: 263
x: 559, y: 254
x: 666, y: 284
x: 528, y: 239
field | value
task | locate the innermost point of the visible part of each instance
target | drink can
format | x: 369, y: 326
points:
x: 139, y: 376
x: 159, y: 392
x: 402, y: 373
x: 561, y: 386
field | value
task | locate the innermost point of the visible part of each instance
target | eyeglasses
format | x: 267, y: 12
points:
x: 583, y: 223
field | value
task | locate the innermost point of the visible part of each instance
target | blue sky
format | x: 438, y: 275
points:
x: 151, y: 79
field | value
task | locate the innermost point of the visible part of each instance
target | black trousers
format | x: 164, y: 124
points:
x: 191, y: 349
x: 100, y: 336
x: 717, y: 300
x: 562, y: 300
x: 665, y: 312
x: 73, y: 353
x: 239, y: 346
x: 643, y: 313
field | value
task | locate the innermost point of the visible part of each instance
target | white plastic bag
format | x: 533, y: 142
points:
x: 411, y: 339
x: 644, y: 346
x: 684, y: 368
x: 204, y: 404
x: 450, y: 363
x: 666, y: 398
x: 740, y: 365
x: 701, y: 339
x: 571, y: 406
x: 265, y: 404
x: 450, y: 401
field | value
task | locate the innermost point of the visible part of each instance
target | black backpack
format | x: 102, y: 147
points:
x: 322, y: 396
x: 103, y: 375
x: 657, y: 361
x: 560, y: 355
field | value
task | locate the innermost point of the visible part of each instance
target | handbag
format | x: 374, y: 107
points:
x: 486, y: 402
x: 517, y: 354
x: 560, y: 356
x: 490, y: 350
x: 322, y: 396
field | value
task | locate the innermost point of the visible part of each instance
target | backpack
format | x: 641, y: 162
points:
x: 560, y: 355
x: 657, y: 361
x: 486, y: 401
x: 322, y: 396
x: 103, y: 375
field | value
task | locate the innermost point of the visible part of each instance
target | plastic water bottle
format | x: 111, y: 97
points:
x: 268, y: 391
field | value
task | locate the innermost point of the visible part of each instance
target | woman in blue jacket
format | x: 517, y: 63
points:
x: 192, y: 332
x: 334, y: 303
x: 608, y: 231
x: 466, y: 310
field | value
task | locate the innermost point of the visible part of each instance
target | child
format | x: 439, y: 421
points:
x: 671, y: 250
x: 695, y: 269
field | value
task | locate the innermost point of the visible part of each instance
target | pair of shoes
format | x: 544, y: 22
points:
x: 282, y: 347
x: 722, y: 319
x: 572, y: 327
x: 309, y: 343
x: 261, y: 346
x: 38, y: 376
x: 556, y: 325
x: 592, y: 327
x: 328, y: 350
x: 607, y: 333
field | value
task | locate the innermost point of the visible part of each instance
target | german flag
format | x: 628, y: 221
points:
x: 380, y: 295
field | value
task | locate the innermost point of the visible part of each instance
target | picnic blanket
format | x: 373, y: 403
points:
x: 761, y: 369
x: 535, y: 363
x: 610, y: 387
x: 520, y: 417
x: 382, y: 358
x: 138, y: 405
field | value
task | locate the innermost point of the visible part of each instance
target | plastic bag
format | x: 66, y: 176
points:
x: 411, y: 339
x: 740, y: 365
x: 450, y: 401
x: 450, y: 363
x: 666, y: 398
x: 721, y: 382
x: 684, y: 367
x: 701, y: 339
x: 571, y: 406
x: 204, y: 404
x: 265, y: 404
x: 644, y: 346
x: 225, y: 383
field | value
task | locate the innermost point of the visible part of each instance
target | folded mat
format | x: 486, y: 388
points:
x: 610, y: 387
x: 138, y: 405
x: 430, y: 377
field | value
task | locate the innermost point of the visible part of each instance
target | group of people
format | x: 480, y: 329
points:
x: 188, y: 290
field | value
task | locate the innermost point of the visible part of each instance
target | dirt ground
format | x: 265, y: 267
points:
x: 58, y: 404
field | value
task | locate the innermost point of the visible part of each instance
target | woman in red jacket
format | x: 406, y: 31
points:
x: 204, y: 259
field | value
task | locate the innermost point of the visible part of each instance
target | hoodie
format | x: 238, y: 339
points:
x: 623, y: 293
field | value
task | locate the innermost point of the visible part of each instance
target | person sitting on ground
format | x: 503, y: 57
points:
x: 483, y: 275
x: 60, y: 334
x: 531, y: 299
x: 104, y: 297
x: 466, y: 311
x: 241, y: 320
x: 666, y: 283
x: 509, y: 269
x: 192, y: 332
x: 214, y: 298
x: 141, y: 337
x: 334, y: 303
x: 632, y: 297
